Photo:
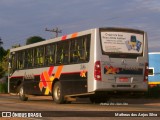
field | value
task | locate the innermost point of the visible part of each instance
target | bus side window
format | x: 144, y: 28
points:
x: 35, y: 57
x: 28, y: 58
x: 47, y: 55
x: 20, y: 61
x: 39, y: 56
x: 62, y: 52
x: 151, y: 72
x: 88, y: 39
x: 59, y: 54
x: 13, y: 63
x: 50, y: 54
x: 73, y: 52
x: 79, y: 49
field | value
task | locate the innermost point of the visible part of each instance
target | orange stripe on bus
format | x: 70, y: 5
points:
x: 58, y: 72
x: 49, y: 85
x: 41, y: 85
x: 74, y: 35
x: 43, y: 80
x: 47, y: 78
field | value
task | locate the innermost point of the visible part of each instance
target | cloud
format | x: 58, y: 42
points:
x: 152, y: 5
x: 20, y: 19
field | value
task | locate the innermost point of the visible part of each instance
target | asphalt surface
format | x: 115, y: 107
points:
x: 44, y: 108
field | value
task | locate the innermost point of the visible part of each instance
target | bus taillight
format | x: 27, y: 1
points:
x: 97, y: 71
x: 146, y: 73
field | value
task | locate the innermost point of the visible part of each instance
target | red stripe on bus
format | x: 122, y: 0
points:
x: 52, y: 74
x: 50, y: 71
x: 64, y: 37
x: 16, y: 76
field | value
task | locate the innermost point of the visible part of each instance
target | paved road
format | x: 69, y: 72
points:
x: 82, y: 107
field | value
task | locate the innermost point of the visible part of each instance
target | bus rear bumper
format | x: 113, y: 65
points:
x: 121, y: 94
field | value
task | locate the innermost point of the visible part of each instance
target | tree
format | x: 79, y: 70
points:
x: 34, y: 39
x: 2, y: 53
x: 4, y: 72
x: 5, y: 62
x: 1, y: 71
x: 2, y: 60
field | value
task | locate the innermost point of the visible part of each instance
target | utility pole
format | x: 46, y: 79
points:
x: 56, y: 31
x: 1, y: 42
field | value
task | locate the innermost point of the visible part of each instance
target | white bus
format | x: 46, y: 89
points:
x: 95, y: 63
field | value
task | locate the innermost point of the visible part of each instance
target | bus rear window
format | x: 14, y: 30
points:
x: 122, y: 44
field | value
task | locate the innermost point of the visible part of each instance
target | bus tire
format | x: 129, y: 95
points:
x: 57, y: 94
x: 22, y: 95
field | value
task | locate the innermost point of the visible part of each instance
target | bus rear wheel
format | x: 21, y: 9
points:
x: 57, y: 94
x: 22, y: 95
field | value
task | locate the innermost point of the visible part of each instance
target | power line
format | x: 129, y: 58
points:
x: 56, y: 31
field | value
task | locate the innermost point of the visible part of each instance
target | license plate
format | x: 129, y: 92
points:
x: 122, y: 80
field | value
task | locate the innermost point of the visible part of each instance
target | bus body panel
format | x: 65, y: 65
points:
x: 121, y: 74
x: 71, y: 76
x: 117, y: 74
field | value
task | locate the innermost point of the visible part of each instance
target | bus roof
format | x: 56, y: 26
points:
x: 76, y: 34
x: 122, y: 29
x: 72, y: 36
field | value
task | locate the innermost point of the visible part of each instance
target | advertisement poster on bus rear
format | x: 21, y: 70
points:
x: 122, y: 42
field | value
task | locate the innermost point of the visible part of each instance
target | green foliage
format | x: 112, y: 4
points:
x: 2, y: 53
x: 34, y: 39
x: 1, y: 71
x: 3, y: 61
x: 3, y: 87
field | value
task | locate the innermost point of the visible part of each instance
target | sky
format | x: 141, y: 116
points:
x: 21, y: 19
